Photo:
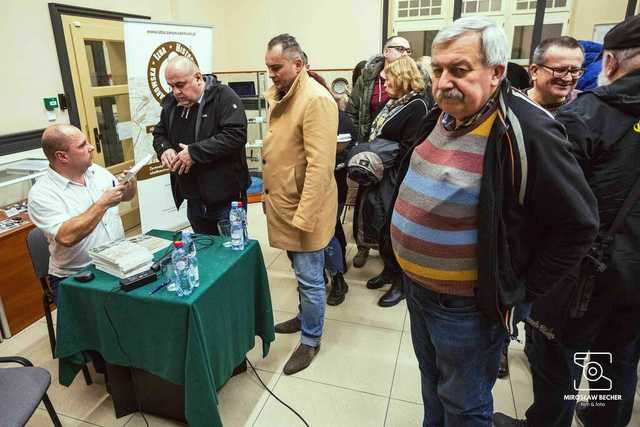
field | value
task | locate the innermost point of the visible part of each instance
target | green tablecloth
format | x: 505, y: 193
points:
x: 196, y: 340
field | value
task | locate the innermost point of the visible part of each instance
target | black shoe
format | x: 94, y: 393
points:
x: 379, y: 281
x: 291, y: 326
x: 503, y: 370
x: 502, y: 420
x: 339, y: 289
x: 361, y: 257
x: 393, y: 296
x: 581, y: 413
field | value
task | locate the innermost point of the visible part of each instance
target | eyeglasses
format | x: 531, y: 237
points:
x: 401, y: 49
x: 561, y: 72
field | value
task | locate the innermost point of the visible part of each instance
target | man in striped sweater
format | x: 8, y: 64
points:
x: 492, y: 211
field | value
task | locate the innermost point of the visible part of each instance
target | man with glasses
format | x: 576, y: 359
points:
x: 200, y: 138
x: 555, y: 69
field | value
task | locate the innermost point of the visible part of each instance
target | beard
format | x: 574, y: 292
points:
x: 452, y: 93
x: 603, y: 80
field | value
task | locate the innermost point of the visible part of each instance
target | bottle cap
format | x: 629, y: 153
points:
x: 178, y: 244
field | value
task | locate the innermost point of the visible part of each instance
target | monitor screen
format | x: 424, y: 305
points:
x: 243, y: 88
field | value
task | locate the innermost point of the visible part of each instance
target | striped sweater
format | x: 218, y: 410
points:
x: 434, y: 227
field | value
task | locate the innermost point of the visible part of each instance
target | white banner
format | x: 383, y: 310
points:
x: 148, y: 46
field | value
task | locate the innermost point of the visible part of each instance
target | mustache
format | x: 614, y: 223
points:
x: 452, y: 93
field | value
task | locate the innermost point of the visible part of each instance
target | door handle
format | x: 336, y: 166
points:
x: 98, y: 139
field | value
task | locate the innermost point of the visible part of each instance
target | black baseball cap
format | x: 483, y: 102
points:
x: 625, y: 35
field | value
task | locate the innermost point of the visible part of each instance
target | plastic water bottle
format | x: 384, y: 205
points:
x: 190, y: 247
x: 244, y: 222
x: 180, y: 261
x: 237, y: 228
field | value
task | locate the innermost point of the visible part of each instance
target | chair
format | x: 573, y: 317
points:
x: 39, y: 252
x: 21, y: 390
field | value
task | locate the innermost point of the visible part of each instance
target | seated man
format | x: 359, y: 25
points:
x: 75, y: 202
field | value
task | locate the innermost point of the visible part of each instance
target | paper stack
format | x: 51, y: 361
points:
x: 124, y: 258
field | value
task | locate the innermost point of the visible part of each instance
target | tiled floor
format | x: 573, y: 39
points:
x: 365, y: 375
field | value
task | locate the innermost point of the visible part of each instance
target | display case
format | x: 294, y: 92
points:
x: 250, y: 87
x: 20, y: 291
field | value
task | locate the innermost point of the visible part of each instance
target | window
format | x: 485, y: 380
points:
x: 420, y: 42
x: 414, y: 8
x: 522, y: 36
x: 474, y: 6
x: 531, y: 4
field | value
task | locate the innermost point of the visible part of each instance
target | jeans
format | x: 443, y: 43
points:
x: 458, y: 351
x: 555, y: 374
x: 204, y: 218
x: 333, y: 257
x: 54, y: 281
x: 334, y: 253
x: 309, y: 268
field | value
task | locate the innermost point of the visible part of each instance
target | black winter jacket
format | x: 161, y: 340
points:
x: 603, y: 126
x: 373, y: 203
x: 220, y: 162
x: 537, y: 215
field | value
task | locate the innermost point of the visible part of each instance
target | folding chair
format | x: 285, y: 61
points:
x: 21, y: 390
x: 39, y: 253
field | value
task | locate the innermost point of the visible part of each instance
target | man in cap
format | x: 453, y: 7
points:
x: 604, y: 129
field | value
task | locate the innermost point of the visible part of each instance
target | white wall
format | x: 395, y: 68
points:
x: 334, y: 33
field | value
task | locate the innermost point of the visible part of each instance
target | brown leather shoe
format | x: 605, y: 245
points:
x: 290, y: 326
x: 300, y: 359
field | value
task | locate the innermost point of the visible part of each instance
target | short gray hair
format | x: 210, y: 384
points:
x: 494, y: 40
x: 622, y: 55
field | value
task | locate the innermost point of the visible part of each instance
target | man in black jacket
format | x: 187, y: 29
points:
x: 604, y: 129
x: 201, y: 138
x: 492, y: 211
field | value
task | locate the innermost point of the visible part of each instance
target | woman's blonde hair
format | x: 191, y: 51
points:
x: 403, y: 73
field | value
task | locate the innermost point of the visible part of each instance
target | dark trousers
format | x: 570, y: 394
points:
x: 458, y: 351
x: 204, y: 217
x: 556, y: 374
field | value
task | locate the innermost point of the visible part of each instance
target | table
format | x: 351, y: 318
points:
x: 195, y: 341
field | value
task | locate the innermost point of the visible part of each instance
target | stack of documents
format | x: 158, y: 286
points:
x: 124, y: 258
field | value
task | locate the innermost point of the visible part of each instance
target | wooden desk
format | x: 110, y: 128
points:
x: 19, y: 287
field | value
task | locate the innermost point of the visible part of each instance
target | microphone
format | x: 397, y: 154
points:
x: 164, y: 260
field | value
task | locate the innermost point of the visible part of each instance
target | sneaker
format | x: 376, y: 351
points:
x: 502, y: 420
x: 291, y: 326
x: 361, y: 257
x: 300, y: 359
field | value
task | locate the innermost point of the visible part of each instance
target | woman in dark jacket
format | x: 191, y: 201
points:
x: 400, y: 121
x: 335, y: 253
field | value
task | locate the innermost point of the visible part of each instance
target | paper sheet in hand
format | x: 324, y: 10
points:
x: 136, y: 168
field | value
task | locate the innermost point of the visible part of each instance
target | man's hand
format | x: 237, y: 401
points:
x: 168, y: 157
x: 111, y: 196
x: 183, y: 162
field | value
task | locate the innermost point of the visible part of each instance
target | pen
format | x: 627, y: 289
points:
x: 159, y: 287
x: 113, y: 183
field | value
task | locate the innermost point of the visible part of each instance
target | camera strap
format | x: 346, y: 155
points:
x: 626, y: 207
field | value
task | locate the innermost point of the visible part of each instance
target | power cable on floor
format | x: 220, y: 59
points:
x: 276, y: 397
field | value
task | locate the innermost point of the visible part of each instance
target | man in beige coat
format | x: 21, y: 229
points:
x: 300, y: 194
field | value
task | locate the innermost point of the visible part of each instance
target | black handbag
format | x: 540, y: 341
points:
x: 595, y: 262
